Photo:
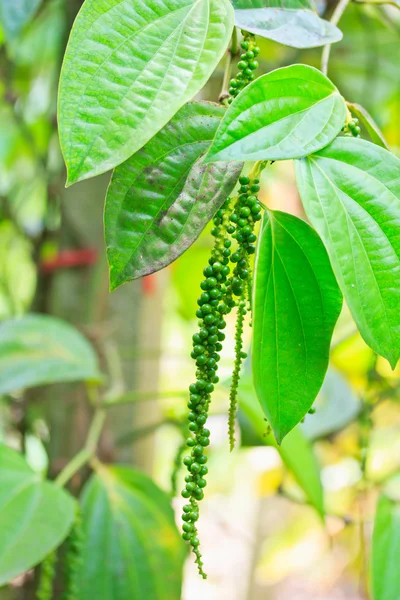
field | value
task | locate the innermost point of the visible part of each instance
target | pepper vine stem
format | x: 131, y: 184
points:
x: 85, y: 455
x: 336, y: 16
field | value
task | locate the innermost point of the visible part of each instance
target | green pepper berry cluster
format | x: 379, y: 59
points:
x: 73, y: 559
x: 221, y: 292
x: 352, y: 128
x: 206, y: 348
x: 243, y: 219
x: 246, y: 65
x: 47, y: 576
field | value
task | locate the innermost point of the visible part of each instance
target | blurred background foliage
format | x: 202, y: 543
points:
x: 262, y: 526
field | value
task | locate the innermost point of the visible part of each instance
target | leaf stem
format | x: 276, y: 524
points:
x: 87, y: 452
x: 232, y: 52
x: 336, y: 16
x: 257, y: 168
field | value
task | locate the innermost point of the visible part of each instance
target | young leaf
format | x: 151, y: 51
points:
x: 161, y: 198
x: 296, y: 452
x: 128, y: 68
x: 386, y: 551
x: 35, y: 516
x: 295, y: 28
x: 296, y: 305
x: 132, y: 548
x: 369, y: 124
x: 287, y: 113
x: 38, y: 350
x: 351, y: 193
x: 15, y: 14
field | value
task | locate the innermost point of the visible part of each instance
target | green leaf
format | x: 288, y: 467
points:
x: 296, y: 305
x: 15, y: 14
x: 336, y: 406
x: 161, y: 198
x: 38, y: 350
x: 128, y: 68
x: 386, y: 551
x: 132, y: 548
x: 287, y: 113
x: 35, y: 516
x: 369, y: 124
x: 295, y: 28
x: 351, y: 193
x: 296, y: 452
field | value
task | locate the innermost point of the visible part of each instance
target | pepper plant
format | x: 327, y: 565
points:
x: 129, y: 71
x: 131, y: 76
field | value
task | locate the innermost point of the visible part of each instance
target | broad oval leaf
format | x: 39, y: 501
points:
x: 296, y: 451
x: 129, y: 66
x: 132, y: 548
x: 369, y: 124
x: 38, y: 350
x: 15, y: 14
x: 296, y: 305
x: 35, y: 516
x: 287, y: 113
x: 386, y: 551
x: 161, y: 198
x: 351, y: 193
x: 295, y: 28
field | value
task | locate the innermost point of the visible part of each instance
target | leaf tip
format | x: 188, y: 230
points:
x: 114, y: 283
x: 279, y: 435
x: 70, y: 179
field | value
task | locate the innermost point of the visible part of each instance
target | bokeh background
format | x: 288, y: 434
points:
x: 262, y: 535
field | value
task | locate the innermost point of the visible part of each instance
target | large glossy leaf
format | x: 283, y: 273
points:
x: 295, y: 28
x: 161, y: 198
x: 368, y: 123
x: 132, y: 548
x: 35, y: 516
x: 296, y: 452
x: 351, y: 193
x: 287, y: 113
x: 336, y: 406
x: 386, y: 551
x: 296, y: 305
x: 129, y: 66
x: 38, y: 350
x: 15, y: 14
